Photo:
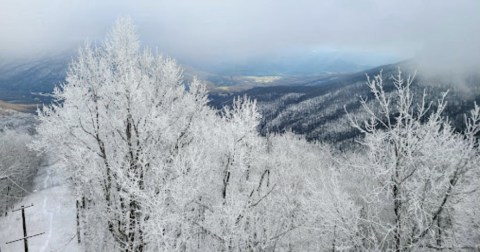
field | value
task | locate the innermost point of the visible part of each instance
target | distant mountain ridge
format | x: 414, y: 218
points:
x: 27, y: 81
x: 309, y: 105
x: 31, y: 80
x: 316, y: 108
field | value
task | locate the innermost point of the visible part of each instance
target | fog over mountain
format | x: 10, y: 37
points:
x: 439, y: 34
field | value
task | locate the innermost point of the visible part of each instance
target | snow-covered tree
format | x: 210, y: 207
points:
x: 18, y: 166
x: 416, y: 169
x: 152, y: 166
x: 313, y: 208
x: 123, y: 124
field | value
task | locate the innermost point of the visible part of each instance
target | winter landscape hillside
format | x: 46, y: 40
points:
x: 317, y: 108
x: 239, y: 128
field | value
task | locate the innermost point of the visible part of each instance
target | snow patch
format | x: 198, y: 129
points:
x: 53, y: 213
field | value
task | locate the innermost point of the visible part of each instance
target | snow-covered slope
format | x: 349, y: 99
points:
x: 53, y: 213
x: 18, y: 121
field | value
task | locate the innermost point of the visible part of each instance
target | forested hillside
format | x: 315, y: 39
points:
x: 318, y: 109
x: 153, y: 167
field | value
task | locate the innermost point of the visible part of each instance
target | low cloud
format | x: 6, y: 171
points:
x: 439, y: 34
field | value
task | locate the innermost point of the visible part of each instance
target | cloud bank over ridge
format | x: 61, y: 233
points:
x: 438, y: 33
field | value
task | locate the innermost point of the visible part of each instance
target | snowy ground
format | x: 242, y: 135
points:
x: 53, y: 213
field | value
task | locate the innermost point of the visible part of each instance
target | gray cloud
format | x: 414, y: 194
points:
x: 446, y: 32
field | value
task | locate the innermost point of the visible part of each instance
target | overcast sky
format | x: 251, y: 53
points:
x: 437, y: 30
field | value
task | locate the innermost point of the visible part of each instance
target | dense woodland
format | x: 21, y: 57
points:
x: 154, y: 167
x: 316, y: 109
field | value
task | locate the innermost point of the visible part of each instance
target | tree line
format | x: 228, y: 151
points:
x: 154, y: 168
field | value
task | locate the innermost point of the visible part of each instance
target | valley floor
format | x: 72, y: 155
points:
x: 53, y: 213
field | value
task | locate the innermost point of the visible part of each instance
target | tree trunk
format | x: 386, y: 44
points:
x: 78, y: 221
x: 398, y: 226
x: 439, y: 232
